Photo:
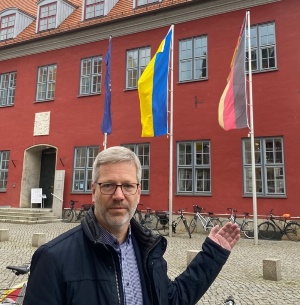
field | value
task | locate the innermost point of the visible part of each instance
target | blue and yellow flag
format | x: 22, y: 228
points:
x: 153, y: 91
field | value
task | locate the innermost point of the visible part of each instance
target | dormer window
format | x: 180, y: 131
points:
x: 94, y: 8
x: 47, y: 17
x: 7, y: 25
x: 145, y: 2
x: 52, y: 13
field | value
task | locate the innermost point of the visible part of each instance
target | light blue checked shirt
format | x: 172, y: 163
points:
x: 130, y: 273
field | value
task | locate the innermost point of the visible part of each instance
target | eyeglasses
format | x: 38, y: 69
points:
x: 110, y: 188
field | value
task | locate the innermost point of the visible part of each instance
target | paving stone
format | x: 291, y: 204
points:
x: 241, y: 277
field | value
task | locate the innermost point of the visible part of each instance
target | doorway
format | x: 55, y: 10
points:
x: 47, y: 174
x: 38, y: 172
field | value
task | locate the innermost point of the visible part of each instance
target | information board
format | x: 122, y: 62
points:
x: 36, y: 195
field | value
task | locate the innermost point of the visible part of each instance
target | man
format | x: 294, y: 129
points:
x: 110, y: 259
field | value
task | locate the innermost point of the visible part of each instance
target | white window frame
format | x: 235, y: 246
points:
x: 7, y: 26
x: 269, y: 167
x: 194, y: 167
x: 46, y: 83
x: 48, y: 16
x: 263, y: 48
x: 7, y: 88
x: 142, y: 150
x: 4, y: 164
x: 193, y: 59
x: 90, y: 75
x: 136, y: 62
x: 93, y: 9
x: 84, y: 157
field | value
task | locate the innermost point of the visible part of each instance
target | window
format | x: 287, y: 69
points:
x: 269, y: 167
x: 143, y: 152
x: 136, y: 61
x: 145, y: 2
x: 193, y: 59
x: 47, y: 17
x: 94, y: 8
x: 7, y: 25
x: 263, y: 48
x: 4, y: 160
x: 91, y: 75
x: 83, y: 167
x: 193, y: 168
x: 46, y: 83
x: 7, y: 88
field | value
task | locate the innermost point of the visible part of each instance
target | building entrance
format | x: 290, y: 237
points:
x: 38, y: 172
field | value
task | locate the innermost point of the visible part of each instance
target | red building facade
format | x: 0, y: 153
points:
x: 52, y: 106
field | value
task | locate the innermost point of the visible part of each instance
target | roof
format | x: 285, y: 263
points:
x: 123, y: 9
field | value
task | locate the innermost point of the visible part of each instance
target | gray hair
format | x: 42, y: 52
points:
x: 116, y: 154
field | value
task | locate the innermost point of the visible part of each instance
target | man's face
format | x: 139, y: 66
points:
x: 114, y: 211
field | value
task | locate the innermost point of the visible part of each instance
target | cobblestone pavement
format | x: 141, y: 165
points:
x: 240, y: 277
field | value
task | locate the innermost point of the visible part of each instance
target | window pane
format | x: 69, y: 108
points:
x: 193, y: 59
x: 91, y: 75
x: 136, y: 62
x: 270, y: 177
x: 143, y: 153
x: 46, y: 83
x: 83, y: 165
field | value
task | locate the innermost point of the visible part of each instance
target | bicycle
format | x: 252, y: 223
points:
x: 71, y: 213
x: 246, y: 227
x: 291, y: 229
x: 162, y: 224
x: 149, y: 220
x: 207, y: 222
x: 178, y: 220
x: 14, y: 294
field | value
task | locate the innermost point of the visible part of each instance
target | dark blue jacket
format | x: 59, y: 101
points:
x: 77, y: 268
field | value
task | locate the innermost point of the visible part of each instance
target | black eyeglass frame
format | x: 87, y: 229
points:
x: 116, y: 186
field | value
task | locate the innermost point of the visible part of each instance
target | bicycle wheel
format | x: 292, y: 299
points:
x: 187, y: 227
x: 193, y: 225
x: 266, y: 230
x: 292, y: 231
x: 68, y: 215
x: 248, y: 229
x: 216, y: 221
x: 150, y: 222
x: 162, y: 226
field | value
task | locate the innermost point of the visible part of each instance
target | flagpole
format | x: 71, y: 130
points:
x: 252, y: 134
x: 105, y: 140
x: 171, y: 138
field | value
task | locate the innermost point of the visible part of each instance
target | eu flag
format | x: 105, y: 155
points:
x: 106, y: 122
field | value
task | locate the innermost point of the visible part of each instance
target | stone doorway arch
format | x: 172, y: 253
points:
x: 38, y: 172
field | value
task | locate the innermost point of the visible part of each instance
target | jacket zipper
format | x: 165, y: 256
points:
x: 116, y: 276
x: 145, y: 266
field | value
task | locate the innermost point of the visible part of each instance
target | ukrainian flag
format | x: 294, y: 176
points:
x: 153, y: 91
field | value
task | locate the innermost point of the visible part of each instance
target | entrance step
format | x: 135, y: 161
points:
x: 27, y: 215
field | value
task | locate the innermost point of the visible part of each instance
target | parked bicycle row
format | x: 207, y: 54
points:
x: 202, y: 220
x: 159, y: 221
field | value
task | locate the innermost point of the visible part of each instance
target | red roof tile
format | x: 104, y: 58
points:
x: 122, y: 9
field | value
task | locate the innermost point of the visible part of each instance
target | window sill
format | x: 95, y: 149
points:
x: 88, y: 94
x: 43, y: 101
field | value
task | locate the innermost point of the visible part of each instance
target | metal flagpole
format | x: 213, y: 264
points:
x: 171, y: 139
x: 252, y: 134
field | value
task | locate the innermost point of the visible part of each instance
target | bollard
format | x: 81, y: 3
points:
x: 38, y: 239
x: 190, y: 255
x: 272, y: 269
x: 4, y: 235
